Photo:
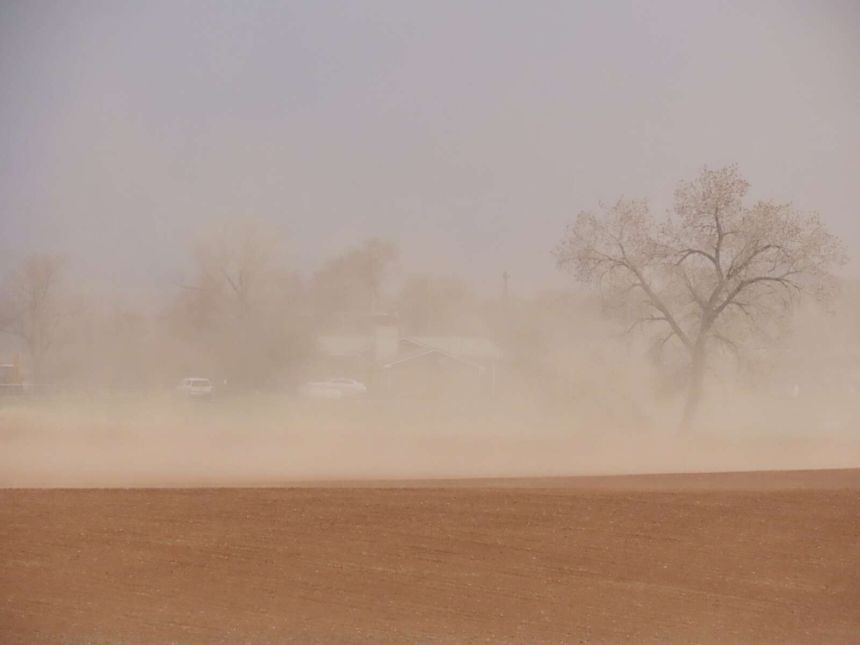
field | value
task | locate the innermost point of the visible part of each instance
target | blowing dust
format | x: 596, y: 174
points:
x: 250, y: 243
x: 569, y: 396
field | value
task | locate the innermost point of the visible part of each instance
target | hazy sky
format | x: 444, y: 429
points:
x: 470, y: 132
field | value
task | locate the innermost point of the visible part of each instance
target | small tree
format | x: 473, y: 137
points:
x: 242, y: 313
x: 33, y: 307
x: 352, y: 282
x: 710, y: 274
x: 237, y: 265
x: 437, y: 304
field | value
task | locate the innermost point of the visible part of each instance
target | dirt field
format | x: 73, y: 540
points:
x: 753, y: 558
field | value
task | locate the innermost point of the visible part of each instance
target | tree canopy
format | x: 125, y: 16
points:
x: 713, y: 271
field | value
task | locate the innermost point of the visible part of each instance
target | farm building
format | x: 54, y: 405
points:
x: 403, y: 365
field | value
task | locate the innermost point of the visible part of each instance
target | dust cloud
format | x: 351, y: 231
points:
x: 250, y: 245
x: 570, y: 394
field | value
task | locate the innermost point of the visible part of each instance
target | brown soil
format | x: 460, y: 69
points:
x: 752, y: 558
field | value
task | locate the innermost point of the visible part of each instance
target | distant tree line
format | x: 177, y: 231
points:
x: 716, y: 276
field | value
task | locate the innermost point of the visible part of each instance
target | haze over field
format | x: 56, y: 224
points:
x: 543, y: 237
x: 400, y: 321
x: 460, y: 130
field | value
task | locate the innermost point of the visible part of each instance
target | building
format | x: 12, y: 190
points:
x: 392, y: 363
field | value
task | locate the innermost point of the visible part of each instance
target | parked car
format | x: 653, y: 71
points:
x: 195, y: 387
x: 334, y: 388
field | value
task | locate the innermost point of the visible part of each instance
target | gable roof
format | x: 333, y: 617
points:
x: 468, y: 346
x: 427, y: 352
x: 460, y: 347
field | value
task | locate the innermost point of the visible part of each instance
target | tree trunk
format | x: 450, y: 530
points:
x: 694, y: 389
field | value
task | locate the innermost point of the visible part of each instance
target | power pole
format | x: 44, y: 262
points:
x: 505, y: 279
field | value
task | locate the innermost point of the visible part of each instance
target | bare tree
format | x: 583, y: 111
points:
x: 437, y: 304
x: 713, y: 273
x: 352, y: 282
x: 241, y: 315
x: 236, y: 265
x: 33, y: 307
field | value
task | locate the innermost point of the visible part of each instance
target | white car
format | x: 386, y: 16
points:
x: 195, y: 387
x: 334, y: 388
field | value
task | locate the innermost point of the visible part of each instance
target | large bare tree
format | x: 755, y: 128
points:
x: 33, y: 307
x: 709, y: 275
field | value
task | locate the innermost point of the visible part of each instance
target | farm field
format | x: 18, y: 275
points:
x: 768, y: 557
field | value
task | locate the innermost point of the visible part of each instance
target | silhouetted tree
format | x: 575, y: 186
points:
x: 352, y: 282
x: 712, y: 272
x: 433, y: 304
x: 34, y: 307
x: 242, y: 308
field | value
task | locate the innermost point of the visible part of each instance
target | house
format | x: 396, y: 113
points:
x: 405, y: 365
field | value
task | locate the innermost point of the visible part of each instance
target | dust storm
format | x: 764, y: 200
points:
x: 440, y: 322
x: 551, y: 385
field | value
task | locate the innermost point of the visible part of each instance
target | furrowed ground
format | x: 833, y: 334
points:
x: 755, y: 558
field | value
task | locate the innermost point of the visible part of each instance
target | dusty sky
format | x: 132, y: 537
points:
x: 470, y: 132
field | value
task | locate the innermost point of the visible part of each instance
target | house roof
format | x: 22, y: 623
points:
x: 468, y: 346
x: 462, y: 347
x: 427, y: 352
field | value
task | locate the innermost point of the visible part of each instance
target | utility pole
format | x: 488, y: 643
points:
x: 505, y: 279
